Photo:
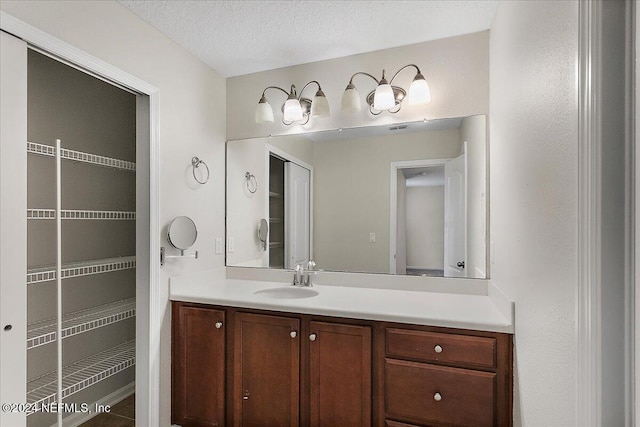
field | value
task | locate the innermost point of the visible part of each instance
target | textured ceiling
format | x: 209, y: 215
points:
x: 242, y: 37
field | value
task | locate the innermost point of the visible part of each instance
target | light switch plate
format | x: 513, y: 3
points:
x: 219, y: 245
x: 372, y: 237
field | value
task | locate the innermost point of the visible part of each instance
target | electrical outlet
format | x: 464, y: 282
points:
x: 219, y: 245
x: 231, y: 245
x: 372, y: 237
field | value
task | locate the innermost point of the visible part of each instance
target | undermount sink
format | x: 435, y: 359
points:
x: 288, y: 292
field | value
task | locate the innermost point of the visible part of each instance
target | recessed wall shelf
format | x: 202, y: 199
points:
x: 275, y: 195
x: 82, y: 374
x: 275, y: 220
x: 276, y: 244
x: 79, y: 156
x: 85, y: 268
x: 44, y: 332
x: 81, y: 214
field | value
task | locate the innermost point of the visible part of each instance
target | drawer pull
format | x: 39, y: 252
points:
x: 293, y: 334
x: 437, y: 349
x: 218, y: 325
x: 437, y: 397
x: 313, y: 337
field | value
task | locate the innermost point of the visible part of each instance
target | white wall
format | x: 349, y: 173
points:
x: 474, y: 131
x: 192, y: 123
x: 425, y: 227
x: 533, y: 151
x: 457, y: 70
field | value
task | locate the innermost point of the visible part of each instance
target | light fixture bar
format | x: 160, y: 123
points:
x: 386, y: 96
x: 296, y: 108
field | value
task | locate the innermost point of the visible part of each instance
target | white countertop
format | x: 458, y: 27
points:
x: 454, y: 310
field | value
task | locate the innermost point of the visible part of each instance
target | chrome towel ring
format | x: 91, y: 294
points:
x: 196, y: 162
x: 251, y: 182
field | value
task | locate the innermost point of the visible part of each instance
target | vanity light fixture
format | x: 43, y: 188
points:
x: 386, y: 96
x: 296, y: 108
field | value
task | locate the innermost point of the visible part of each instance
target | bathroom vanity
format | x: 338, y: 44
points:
x: 250, y: 353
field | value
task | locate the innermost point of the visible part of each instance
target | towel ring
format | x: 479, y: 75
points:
x: 251, y: 182
x: 196, y: 162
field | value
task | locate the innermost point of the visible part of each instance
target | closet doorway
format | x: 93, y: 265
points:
x: 100, y: 138
x: 94, y: 123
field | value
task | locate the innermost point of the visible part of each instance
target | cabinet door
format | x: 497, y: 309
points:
x: 198, y: 366
x: 266, y: 370
x: 340, y: 363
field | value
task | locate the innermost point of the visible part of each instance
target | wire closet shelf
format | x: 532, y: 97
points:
x: 55, y: 386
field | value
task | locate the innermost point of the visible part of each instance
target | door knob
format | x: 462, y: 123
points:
x: 313, y: 337
x: 460, y: 264
x: 218, y: 325
x: 437, y: 397
x: 293, y: 334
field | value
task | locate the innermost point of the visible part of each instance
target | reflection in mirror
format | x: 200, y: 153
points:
x: 182, y: 233
x: 263, y: 232
x: 402, y: 199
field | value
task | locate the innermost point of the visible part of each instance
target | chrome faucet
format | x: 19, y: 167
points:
x: 301, y: 276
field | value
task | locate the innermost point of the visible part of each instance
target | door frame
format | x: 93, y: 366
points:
x: 271, y: 149
x: 393, y: 199
x: 149, y: 307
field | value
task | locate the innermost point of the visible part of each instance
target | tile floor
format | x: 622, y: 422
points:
x: 123, y: 414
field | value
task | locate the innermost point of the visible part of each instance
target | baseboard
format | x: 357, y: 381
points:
x: 111, y: 399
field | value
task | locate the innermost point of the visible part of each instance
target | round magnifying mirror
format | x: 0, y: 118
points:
x: 182, y: 233
x: 263, y: 230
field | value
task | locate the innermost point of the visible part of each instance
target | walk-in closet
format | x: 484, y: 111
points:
x: 87, y: 187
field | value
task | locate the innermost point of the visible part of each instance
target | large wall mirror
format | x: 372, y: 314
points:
x: 407, y: 199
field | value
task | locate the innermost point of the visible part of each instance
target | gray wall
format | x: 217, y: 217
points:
x: 351, y: 195
x: 456, y: 68
x: 425, y: 227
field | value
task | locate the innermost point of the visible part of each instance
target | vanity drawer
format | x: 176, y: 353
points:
x: 434, y: 346
x: 421, y: 393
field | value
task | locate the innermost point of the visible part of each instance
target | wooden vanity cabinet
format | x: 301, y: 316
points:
x: 457, y: 378
x: 280, y: 369
x: 198, y: 365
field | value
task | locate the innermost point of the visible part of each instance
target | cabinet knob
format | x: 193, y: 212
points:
x: 313, y: 337
x: 218, y: 325
x: 293, y: 334
x: 437, y: 349
x: 437, y: 397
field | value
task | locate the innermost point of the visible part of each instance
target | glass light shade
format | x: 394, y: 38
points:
x: 351, y: 100
x: 383, y: 98
x: 264, y: 112
x: 419, y: 92
x: 292, y: 110
x: 320, y: 105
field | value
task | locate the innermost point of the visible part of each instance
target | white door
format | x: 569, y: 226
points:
x: 455, y: 217
x: 297, y: 199
x: 401, y: 225
x: 13, y: 227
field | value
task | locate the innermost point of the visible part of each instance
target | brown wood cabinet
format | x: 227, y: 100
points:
x: 198, y: 380
x: 266, y: 370
x: 282, y: 369
x: 340, y: 380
